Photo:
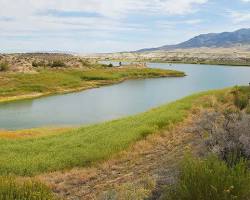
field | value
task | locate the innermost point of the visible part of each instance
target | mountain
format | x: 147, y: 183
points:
x: 212, y: 40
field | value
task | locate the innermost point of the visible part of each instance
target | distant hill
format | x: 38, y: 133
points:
x: 51, y: 52
x: 212, y: 40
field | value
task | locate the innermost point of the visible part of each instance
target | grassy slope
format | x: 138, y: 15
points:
x: 18, y: 86
x: 83, y: 146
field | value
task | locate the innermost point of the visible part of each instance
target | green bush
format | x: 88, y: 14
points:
x: 35, y: 64
x: 241, y: 101
x: 85, y: 63
x: 210, y: 179
x: 4, y: 66
x: 58, y: 63
x: 38, y: 64
x: 248, y: 109
x: 10, y: 189
x: 241, y: 97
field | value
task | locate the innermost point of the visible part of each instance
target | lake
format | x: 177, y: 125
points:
x: 116, y: 101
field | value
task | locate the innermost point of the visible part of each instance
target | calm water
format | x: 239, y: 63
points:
x: 120, y: 100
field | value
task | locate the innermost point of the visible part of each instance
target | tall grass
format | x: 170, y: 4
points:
x: 241, y: 97
x: 84, y: 146
x: 210, y: 179
x: 11, y: 189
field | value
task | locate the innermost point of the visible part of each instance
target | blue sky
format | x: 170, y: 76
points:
x: 89, y: 26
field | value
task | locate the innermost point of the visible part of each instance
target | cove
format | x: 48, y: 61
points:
x: 116, y: 101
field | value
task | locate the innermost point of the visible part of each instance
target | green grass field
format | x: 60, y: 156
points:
x: 51, y: 81
x: 84, y: 146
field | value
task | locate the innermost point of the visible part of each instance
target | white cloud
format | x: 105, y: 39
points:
x: 104, y: 7
x: 240, y: 17
x: 28, y: 18
x: 111, y: 13
x: 193, y: 21
x: 172, y: 24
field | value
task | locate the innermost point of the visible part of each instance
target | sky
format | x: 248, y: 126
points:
x: 98, y: 26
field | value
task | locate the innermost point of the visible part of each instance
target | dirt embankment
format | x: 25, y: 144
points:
x: 141, y: 171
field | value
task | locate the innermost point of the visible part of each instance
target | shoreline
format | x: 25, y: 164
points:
x: 96, y: 84
x: 178, y: 62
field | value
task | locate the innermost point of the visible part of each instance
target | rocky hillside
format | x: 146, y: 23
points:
x: 29, y: 62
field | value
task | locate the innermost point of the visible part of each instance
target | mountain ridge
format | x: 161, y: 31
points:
x: 211, y: 40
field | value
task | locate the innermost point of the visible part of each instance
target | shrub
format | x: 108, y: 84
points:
x: 241, y: 97
x: 210, y: 179
x: 35, y: 64
x: 58, y: 63
x: 241, y: 101
x: 38, y: 64
x: 226, y: 134
x: 10, y: 189
x: 248, y: 109
x: 4, y: 66
x: 85, y: 63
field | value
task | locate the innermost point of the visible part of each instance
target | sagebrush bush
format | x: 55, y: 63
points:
x: 210, y: 179
x: 248, y: 109
x: 58, y: 63
x: 35, y: 64
x: 85, y: 63
x: 38, y: 64
x: 4, y: 66
x: 11, y: 189
x: 241, y: 101
x: 226, y: 134
x: 241, y: 97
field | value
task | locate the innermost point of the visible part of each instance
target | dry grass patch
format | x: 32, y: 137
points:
x: 31, y: 133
